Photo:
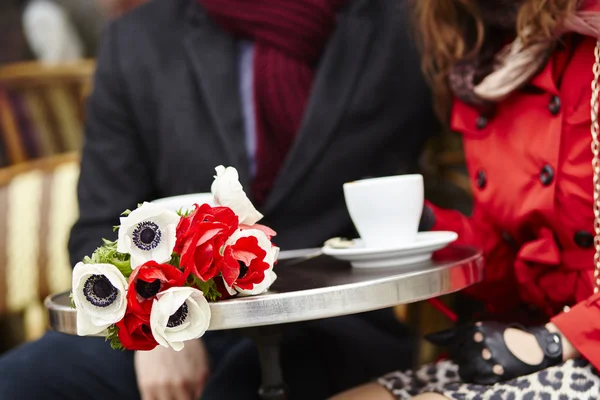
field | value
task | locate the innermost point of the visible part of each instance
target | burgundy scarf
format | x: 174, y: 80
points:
x: 289, y: 37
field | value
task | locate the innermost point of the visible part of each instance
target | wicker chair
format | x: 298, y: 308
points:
x: 38, y: 205
x: 42, y: 109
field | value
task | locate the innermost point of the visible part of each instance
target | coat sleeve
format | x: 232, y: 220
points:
x: 581, y: 325
x: 472, y: 231
x: 115, y: 174
x: 498, y: 287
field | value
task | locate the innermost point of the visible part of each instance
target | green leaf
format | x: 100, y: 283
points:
x: 175, y: 260
x: 113, y: 338
x: 71, y: 300
x: 123, y: 266
x: 126, y: 212
x: 116, y: 227
x: 109, y: 243
x: 209, y: 288
x: 108, y: 254
x: 185, y: 213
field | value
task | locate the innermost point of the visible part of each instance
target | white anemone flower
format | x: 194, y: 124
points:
x: 179, y: 314
x: 148, y: 233
x: 99, y: 294
x: 228, y: 192
x: 272, y: 252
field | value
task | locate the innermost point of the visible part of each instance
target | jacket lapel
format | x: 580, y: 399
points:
x: 213, y: 56
x: 340, y: 66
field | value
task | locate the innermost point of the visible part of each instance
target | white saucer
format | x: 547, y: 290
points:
x: 407, y: 253
x: 185, y: 202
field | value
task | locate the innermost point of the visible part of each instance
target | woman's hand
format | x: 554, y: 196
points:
x: 569, y: 351
x: 491, y: 352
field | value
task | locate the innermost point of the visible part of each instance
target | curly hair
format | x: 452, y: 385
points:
x: 452, y: 30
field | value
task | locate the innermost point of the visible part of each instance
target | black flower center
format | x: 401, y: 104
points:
x: 179, y: 317
x: 146, y: 235
x: 99, y: 291
x: 147, y: 289
x: 243, y: 270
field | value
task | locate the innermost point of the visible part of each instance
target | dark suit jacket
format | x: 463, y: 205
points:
x: 166, y: 110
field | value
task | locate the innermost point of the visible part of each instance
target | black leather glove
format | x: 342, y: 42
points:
x: 465, y: 346
x: 427, y: 219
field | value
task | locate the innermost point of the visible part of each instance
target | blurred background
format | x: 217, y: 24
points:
x: 47, y: 51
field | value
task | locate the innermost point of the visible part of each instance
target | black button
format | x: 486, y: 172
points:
x: 584, y: 239
x: 554, y: 106
x: 481, y: 122
x: 481, y: 179
x: 553, y: 348
x: 547, y: 175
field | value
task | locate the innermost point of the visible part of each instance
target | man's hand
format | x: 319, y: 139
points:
x: 165, y: 374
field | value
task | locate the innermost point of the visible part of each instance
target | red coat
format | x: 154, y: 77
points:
x: 530, y: 165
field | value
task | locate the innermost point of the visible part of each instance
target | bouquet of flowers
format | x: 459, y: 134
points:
x: 152, y: 286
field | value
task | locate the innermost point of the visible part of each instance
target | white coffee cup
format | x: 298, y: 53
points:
x: 386, y: 211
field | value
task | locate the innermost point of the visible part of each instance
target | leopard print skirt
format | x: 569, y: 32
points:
x: 572, y: 380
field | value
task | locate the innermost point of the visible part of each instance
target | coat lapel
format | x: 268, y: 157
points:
x: 213, y: 56
x: 340, y: 66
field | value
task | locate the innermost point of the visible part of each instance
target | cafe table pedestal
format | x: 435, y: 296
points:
x: 311, y: 287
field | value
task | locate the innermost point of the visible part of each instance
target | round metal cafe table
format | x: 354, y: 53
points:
x: 313, y: 286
